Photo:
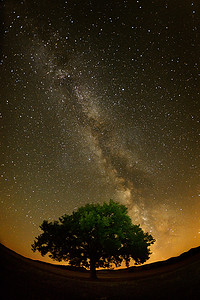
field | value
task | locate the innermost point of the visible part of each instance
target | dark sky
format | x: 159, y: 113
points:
x: 100, y: 100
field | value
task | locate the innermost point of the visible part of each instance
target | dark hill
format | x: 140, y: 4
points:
x: 176, y: 278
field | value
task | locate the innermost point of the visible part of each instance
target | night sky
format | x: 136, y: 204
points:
x: 99, y: 101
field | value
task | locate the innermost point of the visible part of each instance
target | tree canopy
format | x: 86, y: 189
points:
x: 95, y: 236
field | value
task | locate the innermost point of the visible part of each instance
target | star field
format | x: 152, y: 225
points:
x: 100, y: 100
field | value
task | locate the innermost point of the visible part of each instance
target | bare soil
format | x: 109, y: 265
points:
x: 176, y: 278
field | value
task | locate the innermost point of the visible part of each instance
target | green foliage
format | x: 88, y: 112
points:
x: 95, y: 236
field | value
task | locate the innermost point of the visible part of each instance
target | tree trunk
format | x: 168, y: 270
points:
x: 93, y: 274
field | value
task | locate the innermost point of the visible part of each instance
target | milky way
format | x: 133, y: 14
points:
x: 100, y: 100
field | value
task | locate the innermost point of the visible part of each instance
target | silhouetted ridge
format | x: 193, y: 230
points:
x: 190, y: 253
x: 172, y: 260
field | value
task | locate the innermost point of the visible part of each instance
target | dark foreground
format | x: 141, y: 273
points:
x: 177, y: 278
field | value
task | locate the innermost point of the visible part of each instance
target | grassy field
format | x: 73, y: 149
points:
x: 176, y: 278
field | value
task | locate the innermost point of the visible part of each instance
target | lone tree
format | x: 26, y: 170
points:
x: 94, y: 236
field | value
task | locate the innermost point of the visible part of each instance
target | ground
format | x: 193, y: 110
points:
x: 178, y: 278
